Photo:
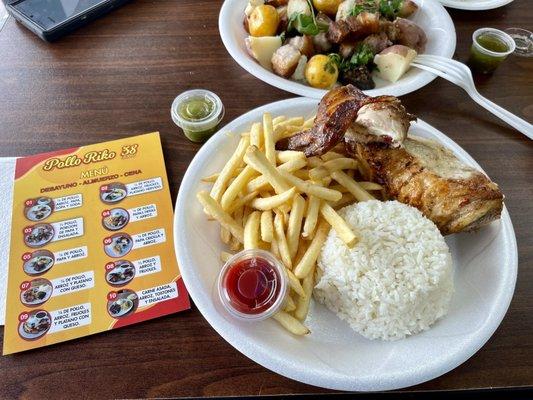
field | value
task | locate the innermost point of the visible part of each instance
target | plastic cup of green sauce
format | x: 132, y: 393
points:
x: 489, y: 48
x: 198, y: 113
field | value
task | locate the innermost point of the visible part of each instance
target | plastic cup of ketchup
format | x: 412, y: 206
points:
x: 252, y: 285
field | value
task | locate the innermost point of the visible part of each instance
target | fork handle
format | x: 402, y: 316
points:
x: 516, y: 122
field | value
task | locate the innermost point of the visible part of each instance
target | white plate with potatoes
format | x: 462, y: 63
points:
x: 431, y: 16
x: 331, y: 354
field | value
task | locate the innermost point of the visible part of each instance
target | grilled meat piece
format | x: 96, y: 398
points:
x: 359, y: 76
x: 337, y: 111
x: 425, y: 175
x: 285, y: 60
x: 382, y: 122
x: 378, y: 42
x: 355, y: 27
x: 363, y: 24
x: 338, y: 31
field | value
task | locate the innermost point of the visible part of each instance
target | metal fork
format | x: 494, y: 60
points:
x: 459, y: 74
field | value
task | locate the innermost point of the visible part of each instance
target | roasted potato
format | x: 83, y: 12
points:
x: 320, y: 72
x: 263, y: 21
x: 410, y: 35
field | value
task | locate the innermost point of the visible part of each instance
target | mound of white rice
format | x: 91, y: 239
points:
x: 397, y: 281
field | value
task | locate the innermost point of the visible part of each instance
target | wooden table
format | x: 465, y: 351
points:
x: 118, y: 76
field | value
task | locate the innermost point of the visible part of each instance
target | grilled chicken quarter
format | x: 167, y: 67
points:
x: 413, y: 170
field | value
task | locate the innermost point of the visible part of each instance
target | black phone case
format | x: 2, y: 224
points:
x: 68, y: 26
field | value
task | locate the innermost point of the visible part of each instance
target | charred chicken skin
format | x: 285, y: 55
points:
x: 379, y: 119
x: 413, y: 170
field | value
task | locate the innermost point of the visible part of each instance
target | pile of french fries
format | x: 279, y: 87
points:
x: 285, y: 203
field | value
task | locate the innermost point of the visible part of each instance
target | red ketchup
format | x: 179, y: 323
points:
x: 252, y: 284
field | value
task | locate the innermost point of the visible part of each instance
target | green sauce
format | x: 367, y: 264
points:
x: 486, y: 63
x: 197, y: 109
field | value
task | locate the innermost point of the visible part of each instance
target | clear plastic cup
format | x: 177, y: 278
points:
x: 203, y: 127
x: 251, y: 290
x: 485, y: 60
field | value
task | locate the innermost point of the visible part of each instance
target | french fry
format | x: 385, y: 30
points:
x: 353, y: 187
x: 295, y: 121
x: 339, y: 188
x: 331, y: 155
x: 290, y: 323
x: 225, y: 256
x: 290, y: 305
x: 339, y: 224
x: 302, y: 248
x: 311, y: 216
x: 302, y: 302
x: 278, y: 119
x: 234, y: 244
x: 259, y: 162
x: 225, y: 235
x: 282, y: 132
x: 264, y: 245
x: 309, y: 122
x: 256, y: 135
x: 306, y: 264
x: 210, y: 178
x: 268, y: 139
x: 335, y: 164
x: 274, y: 248
x: 283, y: 247
x: 294, y: 225
x: 267, y: 226
x: 302, y: 174
x: 261, y: 181
x: 370, y: 185
x: 310, y: 188
x: 314, y: 162
x: 241, y: 201
x: 238, y: 184
x: 251, y: 230
x: 269, y: 203
x: 227, y: 172
x: 216, y: 211
x: 283, y: 156
x: 294, y: 283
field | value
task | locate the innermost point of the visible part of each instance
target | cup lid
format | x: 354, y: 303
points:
x: 210, y: 121
x: 270, y: 282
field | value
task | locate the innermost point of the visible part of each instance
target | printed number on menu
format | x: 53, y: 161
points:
x: 129, y: 150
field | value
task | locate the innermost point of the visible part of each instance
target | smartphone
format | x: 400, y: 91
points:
x: 51, y: 19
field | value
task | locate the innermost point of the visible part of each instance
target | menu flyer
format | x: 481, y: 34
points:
x: 91, y: 243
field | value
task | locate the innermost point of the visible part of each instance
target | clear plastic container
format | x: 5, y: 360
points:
x: 252, y: 285
x: 197, y: 112
x: 523, y: 40
x: 484, y: 59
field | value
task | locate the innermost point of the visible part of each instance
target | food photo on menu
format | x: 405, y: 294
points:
x: 340, y: 238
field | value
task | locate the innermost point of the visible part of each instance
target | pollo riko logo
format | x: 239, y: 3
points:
x: 74, y: 160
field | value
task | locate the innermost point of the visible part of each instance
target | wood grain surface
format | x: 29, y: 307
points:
x: 118, y: 76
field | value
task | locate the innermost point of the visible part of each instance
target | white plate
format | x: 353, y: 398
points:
x: 474, y: 5
x: 432, y: 17
x: 334, y: 356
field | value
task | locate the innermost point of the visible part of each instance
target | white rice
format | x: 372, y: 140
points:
x: 397, y: 281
